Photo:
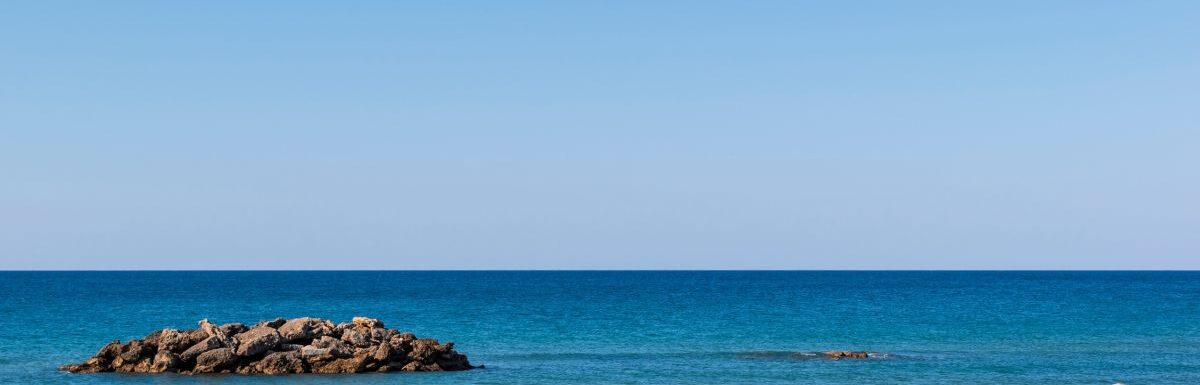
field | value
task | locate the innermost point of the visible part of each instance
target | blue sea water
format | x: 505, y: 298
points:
x: 650, y: 327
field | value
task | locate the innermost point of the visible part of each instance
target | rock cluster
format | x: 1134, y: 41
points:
x: 280, y: 346
x: 840, y: 354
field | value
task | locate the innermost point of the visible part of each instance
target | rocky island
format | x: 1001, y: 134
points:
x: 280, y: 346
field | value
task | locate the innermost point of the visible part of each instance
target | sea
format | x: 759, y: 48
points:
x: 649, y: 327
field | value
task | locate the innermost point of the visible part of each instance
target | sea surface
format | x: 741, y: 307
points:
x: 649, y: 327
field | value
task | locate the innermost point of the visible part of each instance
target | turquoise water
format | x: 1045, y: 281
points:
x: 650, y: 327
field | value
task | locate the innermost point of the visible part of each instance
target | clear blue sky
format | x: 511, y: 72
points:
x: 570, y: 134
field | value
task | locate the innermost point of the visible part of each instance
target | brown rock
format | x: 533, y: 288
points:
x: 175, y: 341
x: 208, y: 329
x: 337, y: 347
x: 303, y: 345
x: 341, y: 328
x: 839, y: 354
x: 135, y: 350
x: 274, y: 324
x: 314, y: 354
x: 365, y: 322
x: 301, y: 329
x: 379, y: 335
x: 214, y: 360
x: 289, y: 347
x: 164, y: 361
x: 154, y: 336
x: 402, y: 342
x: 383, y: 353
x: 340, y: 365
x: 450, y: 360
x: 356, y: 337
x: 141, y: 366
x: 194, y: 351
x: 424, y: 348
x: 417, y: 366
x: 233, y: 328
x: 276, y: 363
x: 81, y: 368
x: 256, y: 341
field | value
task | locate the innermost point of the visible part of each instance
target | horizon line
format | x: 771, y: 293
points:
x: 596, y: 270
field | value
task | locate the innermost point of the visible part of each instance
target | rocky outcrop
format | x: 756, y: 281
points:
x: 279, y: 346
x: 840, y: 354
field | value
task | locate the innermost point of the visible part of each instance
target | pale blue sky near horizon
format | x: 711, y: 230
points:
x: 600, y: 135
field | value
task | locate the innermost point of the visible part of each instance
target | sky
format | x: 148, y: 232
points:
x: 600, y: 135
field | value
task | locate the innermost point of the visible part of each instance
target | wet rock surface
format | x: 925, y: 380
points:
x: 279, y: 346
x: 840, y: 354
x: 810, y: 355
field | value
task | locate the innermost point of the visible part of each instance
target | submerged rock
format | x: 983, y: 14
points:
x: 810, y: 355
x: 840, y: 354
x: 279, y: 346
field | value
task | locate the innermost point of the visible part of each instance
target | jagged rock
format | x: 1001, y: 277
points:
x: 306, y: 328
x: 424, y: 347
x: 233, y: 328
x: 289, y: 347
x: 325, y: 349
x: 313, y: 354
x: 164, y: 361
x: 194, y: 351
x: 276, y: 363
x: 273, y: 324
x: 452, y: 361
x: 369, y: 323
x: 417, y: 366
x: 141, y: 366
x: 257, y: 340
x: 175, y: 341
x: 847, y: 354
x: 110, y: 350
x: 337, y: 347
x: 341, y: 328
x: 341, y: 365
x: 357, y: 338
x: 379, y: 335
x: 86, y: 367
x: 402, y: 341
x: 302, y: 345
x: 214, y: 360
x: 210, y: 330
x: 135, y: 350
x: 382, y: 353
x: 156, y: 336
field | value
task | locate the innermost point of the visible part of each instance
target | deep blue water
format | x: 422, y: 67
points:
x: 650, y: 327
